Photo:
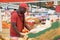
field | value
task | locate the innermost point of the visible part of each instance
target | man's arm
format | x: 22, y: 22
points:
x: 29, y: 28
x: 15, y: 29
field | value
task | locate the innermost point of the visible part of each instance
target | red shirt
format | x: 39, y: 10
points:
x: 13, y: 12
x: 19, y: 23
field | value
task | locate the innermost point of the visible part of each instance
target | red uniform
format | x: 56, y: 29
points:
x: 18, y: 20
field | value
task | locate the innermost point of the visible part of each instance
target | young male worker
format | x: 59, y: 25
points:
x: 18, y: 22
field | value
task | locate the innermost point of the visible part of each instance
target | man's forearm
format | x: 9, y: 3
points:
x: 15, y: 28
x: 28, y: 27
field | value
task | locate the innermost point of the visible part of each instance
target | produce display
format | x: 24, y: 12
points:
x: 32, y: 21
x: 25, y: 30
x: 5, y: 24
x: 51, y: 32
x: 5, y: 19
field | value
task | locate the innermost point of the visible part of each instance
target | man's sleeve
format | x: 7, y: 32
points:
x: 13, y: 17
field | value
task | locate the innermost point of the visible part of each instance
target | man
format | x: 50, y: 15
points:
x: 17, y: 21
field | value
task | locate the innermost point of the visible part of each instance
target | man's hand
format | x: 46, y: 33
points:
x: 21, y: 35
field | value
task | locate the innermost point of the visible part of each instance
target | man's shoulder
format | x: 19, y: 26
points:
x: 14, y: 13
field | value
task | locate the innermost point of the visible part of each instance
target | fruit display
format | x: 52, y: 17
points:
x: 31, y: 21
x: 24, y: 30
x: 6, y: 19
x: 50, y: 32
x: 5, y: 24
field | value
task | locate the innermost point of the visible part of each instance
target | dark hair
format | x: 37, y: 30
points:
x: 14, y: 9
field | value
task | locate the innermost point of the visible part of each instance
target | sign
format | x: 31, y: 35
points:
x: 58, y: 8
